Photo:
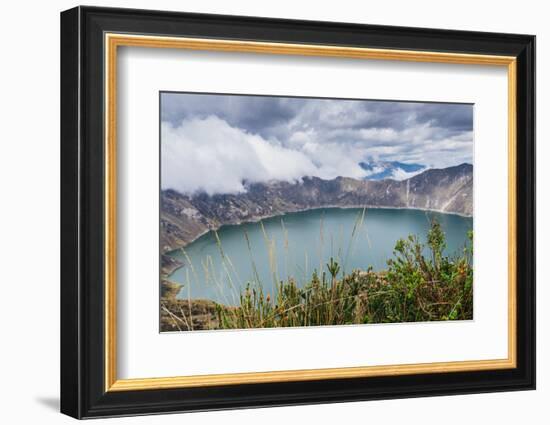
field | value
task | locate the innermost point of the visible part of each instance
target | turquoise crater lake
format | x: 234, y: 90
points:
x: 295, y: 244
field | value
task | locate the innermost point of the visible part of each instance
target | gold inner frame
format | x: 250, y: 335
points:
x: 113, y: 41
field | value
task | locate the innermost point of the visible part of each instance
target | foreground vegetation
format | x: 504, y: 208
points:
x: 420, y: 283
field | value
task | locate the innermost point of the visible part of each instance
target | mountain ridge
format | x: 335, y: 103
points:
x: 184, y: 218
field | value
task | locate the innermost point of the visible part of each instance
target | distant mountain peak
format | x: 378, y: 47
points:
x: 394, y: 170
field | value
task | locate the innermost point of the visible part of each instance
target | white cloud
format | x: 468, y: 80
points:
x: 208, y: 155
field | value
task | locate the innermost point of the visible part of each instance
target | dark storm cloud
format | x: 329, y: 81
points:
x: 400, y: 115
x: 251, y: 113
x: 270, y: 116
x: 452, y: 117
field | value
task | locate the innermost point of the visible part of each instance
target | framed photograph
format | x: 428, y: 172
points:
x: 261, y: 212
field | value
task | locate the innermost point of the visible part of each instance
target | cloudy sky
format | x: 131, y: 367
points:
x: 216, y: 143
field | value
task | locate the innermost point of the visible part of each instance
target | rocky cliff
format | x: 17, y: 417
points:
x: 184, y: 218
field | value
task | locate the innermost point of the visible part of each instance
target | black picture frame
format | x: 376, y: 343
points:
x: 83, y: 392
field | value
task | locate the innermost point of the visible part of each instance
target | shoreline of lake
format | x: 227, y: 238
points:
x: 265, y: 217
